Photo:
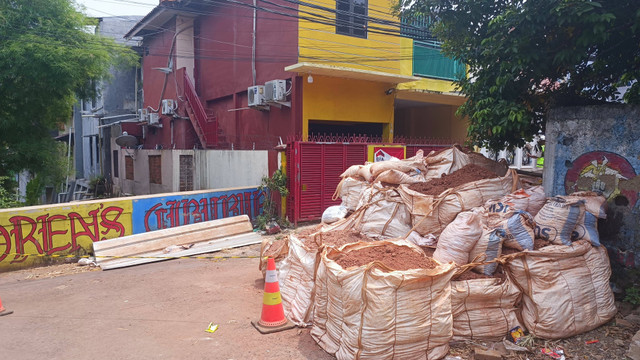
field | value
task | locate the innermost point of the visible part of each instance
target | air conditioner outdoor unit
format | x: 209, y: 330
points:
x: 168, y: 106
x: 143, y: 115
x: 154, y: 118
x: 275, y: 90
x: 256, y: 95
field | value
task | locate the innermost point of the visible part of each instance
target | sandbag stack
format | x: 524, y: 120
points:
x: 375, y: 312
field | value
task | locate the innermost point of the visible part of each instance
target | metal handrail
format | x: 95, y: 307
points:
x: 200, y: 114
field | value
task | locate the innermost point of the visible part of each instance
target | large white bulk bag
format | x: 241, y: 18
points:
x: 565, y: 289
x: 373, y: 312
x: 484, y: 309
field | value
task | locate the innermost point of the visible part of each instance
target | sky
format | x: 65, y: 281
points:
x: 103, y: 8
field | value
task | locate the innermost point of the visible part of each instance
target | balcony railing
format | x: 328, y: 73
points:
x: 428, y: 61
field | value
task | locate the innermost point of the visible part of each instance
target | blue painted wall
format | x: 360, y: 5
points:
x: 597, y: 148
x: 161, y: 212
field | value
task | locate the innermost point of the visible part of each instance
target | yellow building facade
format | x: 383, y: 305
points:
x: 365, y: 74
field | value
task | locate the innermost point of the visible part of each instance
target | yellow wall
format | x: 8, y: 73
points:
x: 59, y: 230
x: 339, y: 99
x: 320, y: 43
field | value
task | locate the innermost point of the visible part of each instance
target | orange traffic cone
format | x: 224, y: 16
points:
x: 272, y: 318
x: 4, y: 311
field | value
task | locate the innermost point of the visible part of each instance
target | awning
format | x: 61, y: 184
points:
x: 349, y: 73
x: 426, y: 96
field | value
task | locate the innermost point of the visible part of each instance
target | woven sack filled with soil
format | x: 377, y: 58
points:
x: 558, y: 218
x: 382, y: 214
x: 587, y: 225
x: 484, y: 309
x: 445, y: 162
x: 413, y: 164
x: 458, y: 238
x: 432, y: 213
x: 296, y: 272
x: 565, y: 289
x: 373, y: 311
x: 349, y: 190
x: 530, y: 200
x: 296, y: 277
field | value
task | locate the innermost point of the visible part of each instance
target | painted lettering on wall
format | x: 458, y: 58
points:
x: 604, y: 172
x: 46, y: 231
x: 171, y: 211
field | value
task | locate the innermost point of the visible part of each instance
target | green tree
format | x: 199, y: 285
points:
x: 49, y: 58
x: 525, y: 57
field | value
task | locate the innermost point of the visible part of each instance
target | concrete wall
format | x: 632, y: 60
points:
x: 227, y: 168
x: 596, y: 148
x: 212, y: 169
x: 31, y: 235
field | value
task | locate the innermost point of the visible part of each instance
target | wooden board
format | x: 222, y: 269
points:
x: 199, y: 248
x: 217, y: 234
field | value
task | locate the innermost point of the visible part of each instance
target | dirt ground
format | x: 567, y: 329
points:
x: 153, y: 311
x: 161, y: 311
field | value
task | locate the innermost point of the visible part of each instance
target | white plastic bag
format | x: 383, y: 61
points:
x: 334, y: 213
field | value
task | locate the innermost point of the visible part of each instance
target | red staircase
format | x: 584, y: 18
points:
x: 205, y: 125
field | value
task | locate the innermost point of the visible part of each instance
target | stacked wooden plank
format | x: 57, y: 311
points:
x: 175, y: 242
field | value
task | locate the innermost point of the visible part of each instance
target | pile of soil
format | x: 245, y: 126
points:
x: 334, y: 238
x: 467, y: 174
x: 308, y: 231
x: 393, y: 256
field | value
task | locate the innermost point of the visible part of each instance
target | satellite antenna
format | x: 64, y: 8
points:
x: 127, y: 141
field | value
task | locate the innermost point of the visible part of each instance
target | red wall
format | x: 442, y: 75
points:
x: 223, y: 40
x: 157, y: 49
x: 224, y: 72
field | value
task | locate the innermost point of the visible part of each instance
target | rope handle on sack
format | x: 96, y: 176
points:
x: 336, y: 194
x: 477, y: 262
x: 433, y: 207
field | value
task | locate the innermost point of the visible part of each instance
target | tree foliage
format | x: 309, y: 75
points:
x: 48, y: 59
x: 525, y: 57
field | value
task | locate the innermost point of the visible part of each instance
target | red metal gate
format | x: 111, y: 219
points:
x: 313, y: 172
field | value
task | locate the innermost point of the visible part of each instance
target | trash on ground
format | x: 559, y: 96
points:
x: 212, y: 328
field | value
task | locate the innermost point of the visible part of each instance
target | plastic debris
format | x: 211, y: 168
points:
x: 416, y: 238
x: 591, y: 341
x: 516, y: 334
x: 272, y: 228
x: 212, y: 328
x: 557, y: 354
x: 87, y: 261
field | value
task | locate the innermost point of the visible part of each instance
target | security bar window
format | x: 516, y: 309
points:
x: 351, y: 18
